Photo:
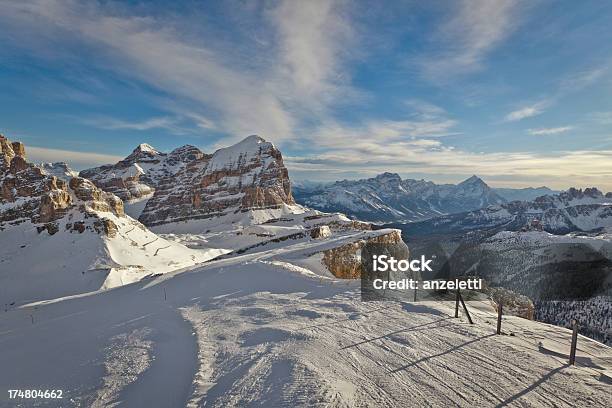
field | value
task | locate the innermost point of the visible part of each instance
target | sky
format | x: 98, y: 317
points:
x: 516, y: 92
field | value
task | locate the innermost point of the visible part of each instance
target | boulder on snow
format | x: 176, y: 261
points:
x: 322, y: 231
x: 344, y: 262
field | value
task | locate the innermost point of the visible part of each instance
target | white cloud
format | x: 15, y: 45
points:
x: 76, y: 160
x: 241, y: 97
x: 363, y: 151
x: 584, y: 78
x: 549, y: 131
x: 557, y: 169
x: 464, y: 40
x: 526, y: 112
x: 313, y: 38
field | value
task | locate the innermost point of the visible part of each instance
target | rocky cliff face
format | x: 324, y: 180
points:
x: 138, y: 175
x: 345, y: 261
x: 28, y: 193
x: 248, y: 175
x: 189, y: 184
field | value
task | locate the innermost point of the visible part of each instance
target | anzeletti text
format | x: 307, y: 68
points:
x: 403, y: 284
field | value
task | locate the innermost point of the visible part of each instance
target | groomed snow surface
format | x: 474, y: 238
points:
x: 264, y: 329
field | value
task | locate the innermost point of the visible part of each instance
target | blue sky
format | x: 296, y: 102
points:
x: 517, y: 92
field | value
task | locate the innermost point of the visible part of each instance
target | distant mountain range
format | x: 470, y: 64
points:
x: 574, y: 210
x: 387, y: 197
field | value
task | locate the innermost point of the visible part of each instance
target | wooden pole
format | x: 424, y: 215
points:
x: 165, y: 297
x: 499, y: 317
x: 415, y: 293
x: 457, y: 304
x: 572, y: 358
x: 465, y: 309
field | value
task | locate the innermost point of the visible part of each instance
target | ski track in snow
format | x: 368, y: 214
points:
x: 255, y: 330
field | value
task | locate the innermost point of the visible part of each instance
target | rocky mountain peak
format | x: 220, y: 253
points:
x: 473, y: 181
x: 248, y: 175
x: 251, y: 140
x: 29, y: 194
x: 143, y: 153
x: 145, y: 148
x: 188, y: 184
x: 61, y: 170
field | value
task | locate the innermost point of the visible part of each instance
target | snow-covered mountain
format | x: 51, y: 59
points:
x: 571, y: 210
x: 387, y: 197
x: 60, y: 170
x: 187, y: 184
x: 249, y: 175
x: 61, y: 236
x: 135, y: 178
x: 275, y: 319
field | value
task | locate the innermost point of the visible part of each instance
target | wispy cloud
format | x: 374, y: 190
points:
x: 465, y: 39
x: 200, y: 76
x: 581, y: 79
x: 557, y: 169
x: 549, y: 131
x: 314, y: 37
x: 526, y: 112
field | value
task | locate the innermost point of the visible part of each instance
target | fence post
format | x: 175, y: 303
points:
x: 572, y: 358
x: 499, y: 317
x: 165, y: 297
x: 457, y: 304
x: 415, y: 293
x: 465, y: 308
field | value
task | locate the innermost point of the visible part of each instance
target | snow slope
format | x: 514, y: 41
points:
x: 36, y: 266
x: 255, y: 330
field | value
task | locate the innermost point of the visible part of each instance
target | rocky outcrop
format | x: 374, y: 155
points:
x: 96, y: 199
x: 29, y: 194
x: 345, y: 261
x: 60, y: 170
x: 322, y: 231
x: 248, y: 175
x: 139, y: 174
x: 512, y: 303
x: 187, y: 184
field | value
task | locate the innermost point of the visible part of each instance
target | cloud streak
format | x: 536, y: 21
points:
x: 204, y: 79
x: 473, y: 31
x: 526, y: 112
x: 549, y: 131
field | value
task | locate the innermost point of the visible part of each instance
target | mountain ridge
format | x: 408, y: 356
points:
x: 387, y: 197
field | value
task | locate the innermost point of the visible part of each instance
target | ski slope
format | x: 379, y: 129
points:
x: 262, y: 329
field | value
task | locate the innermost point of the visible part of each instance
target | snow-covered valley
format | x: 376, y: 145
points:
x: 256, y: 330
